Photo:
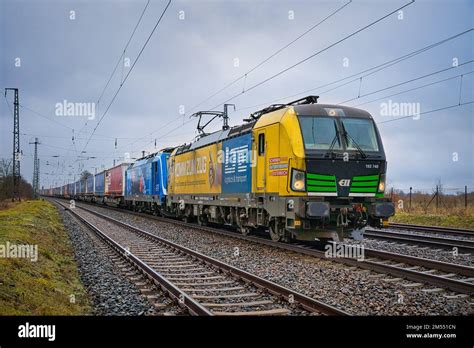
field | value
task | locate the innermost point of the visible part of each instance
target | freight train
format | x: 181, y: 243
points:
x: 299, y: 171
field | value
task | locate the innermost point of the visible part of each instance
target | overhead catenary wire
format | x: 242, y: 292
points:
x: 365, y: 73
x: 120, y: 59
x: 128, y: 74
x: 415, y: 88
x: 244, y: 76
x: 427, y: 112
x: 286, y: 69
x: 281, y: 72
x: 274, y: 54
x: 405, y: 82
x: 378, y: 68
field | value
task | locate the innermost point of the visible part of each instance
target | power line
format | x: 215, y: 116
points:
x: 273, y: 54
x: 268, y: 79
x: 367, y: 72
x: 427, y: 112
x: 315, y: 54
x: 120, y: 58
x: 405, y: 82
x: 113, y: 72
x: 415, y: 88
x: 256, y: 66
x: 128, y: 74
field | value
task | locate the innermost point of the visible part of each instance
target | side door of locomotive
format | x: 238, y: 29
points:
x: 261, y: 169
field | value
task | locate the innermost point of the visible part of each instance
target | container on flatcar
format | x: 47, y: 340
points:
x: 70, y: 190
x: 90, y: 185
x: 115, y: 181
x: 82, y: 187
x: 77, y: 188
x: 99, y: 184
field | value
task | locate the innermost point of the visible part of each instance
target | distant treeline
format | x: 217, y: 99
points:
x: 6, y: 182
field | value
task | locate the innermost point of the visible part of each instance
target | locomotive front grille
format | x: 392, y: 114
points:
x: 364, y: 185
x: 319, y: 184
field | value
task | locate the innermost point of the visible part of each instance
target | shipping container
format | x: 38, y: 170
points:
x: 82, y: 187
x: 115, y: 181
x: 99, y: 183
x: 70, y: 190
x: 90, y: 185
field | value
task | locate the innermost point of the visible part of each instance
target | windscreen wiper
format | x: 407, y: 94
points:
x: 346, y: 134
x: 333, y: 143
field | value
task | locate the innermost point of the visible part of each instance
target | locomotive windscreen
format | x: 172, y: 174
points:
x: 338, y: 133
x: 319, y: 133
x: 360, y: 132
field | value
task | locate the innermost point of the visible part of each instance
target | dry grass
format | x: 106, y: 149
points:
x: 448, y: 217
x: 43, y: 287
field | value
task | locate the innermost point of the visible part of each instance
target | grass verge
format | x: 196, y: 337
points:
x: 50, y: 285
x: 460, y: 218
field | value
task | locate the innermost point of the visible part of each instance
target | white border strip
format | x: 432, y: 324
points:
x: 322, y: 194
x: 361, y: 194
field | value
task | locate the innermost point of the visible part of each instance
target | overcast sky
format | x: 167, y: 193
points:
x: 52, y: 54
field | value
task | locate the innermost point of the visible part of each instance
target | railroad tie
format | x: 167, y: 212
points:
x: 237, y: 304
x: 214, y: 289
x: 412, y: 285
x: 207, y: 297
x: 275, y: 311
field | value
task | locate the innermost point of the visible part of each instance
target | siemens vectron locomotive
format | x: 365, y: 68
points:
x: 301, y: 171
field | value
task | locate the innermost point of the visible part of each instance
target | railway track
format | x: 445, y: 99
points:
x: 434, y: 229
x: 445, y: 275
x: 203, y: 285
x: 423, y: 240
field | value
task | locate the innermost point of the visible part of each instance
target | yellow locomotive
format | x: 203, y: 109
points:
x: 301, y: 170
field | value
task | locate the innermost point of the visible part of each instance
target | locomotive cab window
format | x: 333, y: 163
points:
x: 320, y: 133
x: 360, y: 132
x: 261, y: 144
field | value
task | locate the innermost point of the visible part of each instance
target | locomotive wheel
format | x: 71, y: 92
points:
x: 202, y: 221
x: 244, y: 230
x: 276, y: 234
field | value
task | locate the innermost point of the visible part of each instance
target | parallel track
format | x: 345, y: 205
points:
x: 186, y: 274
x: 434, y: 229
x: 424, y: 240
x: 398, y: 265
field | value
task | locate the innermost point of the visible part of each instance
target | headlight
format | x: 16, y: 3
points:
x: 298, y: 180
x: 382, y: 183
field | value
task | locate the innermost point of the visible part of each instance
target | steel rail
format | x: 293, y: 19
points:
x: 410, y: 274
x: 425, y: 240
x: 434, y: 229
x: 304, y: 301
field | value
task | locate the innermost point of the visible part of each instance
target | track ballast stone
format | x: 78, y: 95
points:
x: 351, y: 289
x: 110, y: 292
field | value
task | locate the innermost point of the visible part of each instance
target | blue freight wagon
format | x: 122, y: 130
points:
x: 90, y: 185
x: 77, y: 188
x: 146, y: 182
x: 70, y: 190
x: 99, y: 185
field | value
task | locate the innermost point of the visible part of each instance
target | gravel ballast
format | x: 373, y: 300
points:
x: 352, y: 289
x: 109, y: 290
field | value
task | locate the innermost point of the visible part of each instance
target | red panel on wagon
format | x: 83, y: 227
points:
x: 114, y: 180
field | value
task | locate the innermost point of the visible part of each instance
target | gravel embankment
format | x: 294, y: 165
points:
x: 110, y: 292
x: 356, y: 291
